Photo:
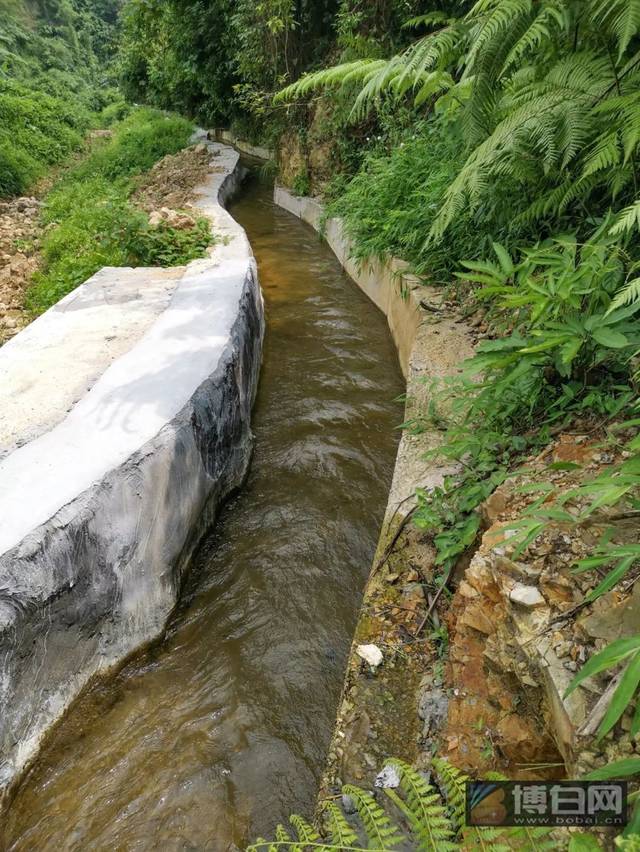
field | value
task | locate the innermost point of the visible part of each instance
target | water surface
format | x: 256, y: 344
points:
x: 221, y: 730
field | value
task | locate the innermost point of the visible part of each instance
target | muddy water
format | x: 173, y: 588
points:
x: 221, y: 730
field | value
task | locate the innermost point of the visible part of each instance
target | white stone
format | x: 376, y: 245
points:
x: 527, y: 596
x: 371, y: 654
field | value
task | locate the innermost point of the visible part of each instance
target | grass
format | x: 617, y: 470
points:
x: 36, y: 132
x: 96, y: 225
x: 390, y: 204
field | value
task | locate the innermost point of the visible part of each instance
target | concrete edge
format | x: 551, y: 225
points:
x: 260, y: 152
x: 90, y: 570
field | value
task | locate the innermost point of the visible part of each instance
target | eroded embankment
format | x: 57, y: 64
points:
x: 135, y: 394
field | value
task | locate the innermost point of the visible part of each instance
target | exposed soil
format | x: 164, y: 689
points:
x: 520, y: 630
x: 19, y: 258
x: 169, y: 184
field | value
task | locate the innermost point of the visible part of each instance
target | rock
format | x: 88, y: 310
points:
x: 526, y: 596
x: 371, y: 654
x: 611, y: 620
x: 388, y: 779
x: 493, y: 507
x: 432, y: 708
x: 348, y: 805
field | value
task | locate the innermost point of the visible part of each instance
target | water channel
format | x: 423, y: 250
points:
x: 219, y: 731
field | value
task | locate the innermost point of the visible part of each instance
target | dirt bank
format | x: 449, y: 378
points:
x: 169, y: 184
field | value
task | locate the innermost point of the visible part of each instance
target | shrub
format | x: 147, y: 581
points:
x: 17, y: 170
x: 389, y: 206
x: 97, y: 226
x: 142, y: 139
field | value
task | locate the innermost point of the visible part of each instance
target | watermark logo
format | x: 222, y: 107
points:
x: 553, y: 803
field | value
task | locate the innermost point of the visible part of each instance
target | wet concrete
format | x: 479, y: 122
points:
x: 221, y: 730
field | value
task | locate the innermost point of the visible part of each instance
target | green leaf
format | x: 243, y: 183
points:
x: 565, y: 466
x: 584, y: 843
x: 605, y: 659
x: 610, y: 338
x: 612, y: 771
x: 504, y: 257
x: 622, y: 696
x: 611, y: 579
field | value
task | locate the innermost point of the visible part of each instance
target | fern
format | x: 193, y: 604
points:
x: 382, y: 833
x: 622, y: 18
x: 453, y: 782
x: 341, y: 832
x: 628, y: 295
x: 627, y: 221
x: 424, y: 810
x: 434, y: 826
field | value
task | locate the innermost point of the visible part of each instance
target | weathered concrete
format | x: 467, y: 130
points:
x: 257, y: 151
x: 139, y: 426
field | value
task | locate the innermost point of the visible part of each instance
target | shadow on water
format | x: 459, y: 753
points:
x: 221, y: 730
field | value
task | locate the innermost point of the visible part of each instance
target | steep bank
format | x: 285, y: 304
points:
x: 98, y: 523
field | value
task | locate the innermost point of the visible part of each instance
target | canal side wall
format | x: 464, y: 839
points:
x: 108, y: 484
x: 397, y: 711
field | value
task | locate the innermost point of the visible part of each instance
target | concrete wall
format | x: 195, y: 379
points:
x: 130, y: 446
x: 257, y: 151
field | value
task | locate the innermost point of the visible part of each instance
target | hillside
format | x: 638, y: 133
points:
x: 54, y: 72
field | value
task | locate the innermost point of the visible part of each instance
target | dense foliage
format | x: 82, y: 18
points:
x: 222, y: 61
x: 53, y: 56
x: 97, y: 226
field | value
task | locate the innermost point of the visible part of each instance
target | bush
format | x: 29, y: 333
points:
x: 17, y: 170
x: 97, y: 226
x: 389, y: 206
x: 140, y: 141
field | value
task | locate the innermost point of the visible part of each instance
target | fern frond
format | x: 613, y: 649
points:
x: 358, y: 71
x: 606, y: 153
x: 627, y: 295
x: 282, y: 835
x: 453, y: 781
x: 494, y: 19
x: 306, y: 832
x: 424, y: 810
x: 627, y: 220
x: 380, y: 830
x: 552, y: 20
x: 341, y: 832
x: 622, y: 17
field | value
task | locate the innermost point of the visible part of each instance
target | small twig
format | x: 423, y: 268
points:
x: 562, y: 617
x: 390, y: 547
x: 433, y: 603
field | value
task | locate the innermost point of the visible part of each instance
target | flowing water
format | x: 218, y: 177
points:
x: 221, y: 730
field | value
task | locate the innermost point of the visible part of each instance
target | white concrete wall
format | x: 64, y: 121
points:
x: 106, y: 488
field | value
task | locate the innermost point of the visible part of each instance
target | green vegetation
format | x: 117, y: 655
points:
x: 493, y: 144
x: 223, y: 61
x: 95, y: 223
x: 52, y: 56
x: 419, y: 815
x: 520, y: 171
